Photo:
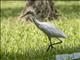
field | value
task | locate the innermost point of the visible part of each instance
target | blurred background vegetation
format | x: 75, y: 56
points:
x: 21, y: 40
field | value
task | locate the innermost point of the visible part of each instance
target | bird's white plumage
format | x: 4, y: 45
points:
x: 51, y: 30
x: 48, y: 29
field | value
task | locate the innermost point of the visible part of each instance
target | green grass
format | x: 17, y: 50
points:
x: 24, y: 41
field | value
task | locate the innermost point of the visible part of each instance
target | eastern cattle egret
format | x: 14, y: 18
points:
x: 48, y: 29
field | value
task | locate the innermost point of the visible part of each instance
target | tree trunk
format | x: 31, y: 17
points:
x: 43, y: 9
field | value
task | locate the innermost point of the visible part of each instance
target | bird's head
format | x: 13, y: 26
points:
x: 29, y: 15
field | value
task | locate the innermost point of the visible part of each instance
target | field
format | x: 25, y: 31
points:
x: 22, y: 40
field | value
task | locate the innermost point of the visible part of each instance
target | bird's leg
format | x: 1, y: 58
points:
x: 50, y: 43
x: 57, y: 42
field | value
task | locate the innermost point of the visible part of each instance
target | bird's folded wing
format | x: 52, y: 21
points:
x: 51, y: 29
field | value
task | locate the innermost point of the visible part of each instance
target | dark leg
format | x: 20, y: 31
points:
x: 57, y: 42
x: 50, y: 43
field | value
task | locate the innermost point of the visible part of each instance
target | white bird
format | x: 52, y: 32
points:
x: 48, y: 29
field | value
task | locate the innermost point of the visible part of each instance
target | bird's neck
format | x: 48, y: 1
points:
x: 37, y: 22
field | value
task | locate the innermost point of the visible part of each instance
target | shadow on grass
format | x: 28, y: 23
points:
x: 10, y: 12
x: 69, y: 11
x: 40, y: 54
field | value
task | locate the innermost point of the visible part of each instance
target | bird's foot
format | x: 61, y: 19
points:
x: 52, y: 47
x: 49, y: 47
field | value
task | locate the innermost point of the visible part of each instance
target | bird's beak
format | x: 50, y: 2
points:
x: 23, y: 15
x: 26, y: 17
